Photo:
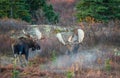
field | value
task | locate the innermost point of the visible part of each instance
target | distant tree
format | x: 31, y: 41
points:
x: 92, y: 11
x: 49, y: 13
x: 14, y: 9
x: 98, y: 10
x: 47, y: 10
x: 4, y: 8
x: 26, y: 9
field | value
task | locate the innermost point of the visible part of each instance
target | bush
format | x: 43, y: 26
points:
x: 9, y: 27
x: 6, y: 42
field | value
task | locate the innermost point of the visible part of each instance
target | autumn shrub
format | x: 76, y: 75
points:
x: 107, y: 65
x: 116, y: 56
x: 102, y: 33
x: 15, y: 73
x: 109, y: 35
x: 9, y: 27
x: 69, y: 74
x: 5, y: 42
x: 53, y: 57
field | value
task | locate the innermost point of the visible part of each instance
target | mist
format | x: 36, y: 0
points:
x: 86, y: 59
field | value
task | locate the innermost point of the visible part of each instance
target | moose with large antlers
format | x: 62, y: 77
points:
x: 71, y: 39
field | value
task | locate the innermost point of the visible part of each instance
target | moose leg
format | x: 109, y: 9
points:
x: 69, y: 49
x: 21, y: 49
x: 24, y: 61
x: 68, y: 52
x: 21, y: 60
x: 75, y: 48
x: 26, y: 56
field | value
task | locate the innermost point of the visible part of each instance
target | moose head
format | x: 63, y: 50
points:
x: 23, y: 44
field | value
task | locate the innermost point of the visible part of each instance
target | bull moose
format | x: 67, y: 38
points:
x: 22, y: 46
x: 71, y: 39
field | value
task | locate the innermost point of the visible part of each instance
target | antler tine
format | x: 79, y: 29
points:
x: 23, y: 31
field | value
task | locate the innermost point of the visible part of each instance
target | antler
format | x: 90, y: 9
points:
x: 33, y: 33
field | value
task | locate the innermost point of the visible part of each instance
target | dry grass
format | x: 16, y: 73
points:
x: 34, y: 71
x: 50, y: 45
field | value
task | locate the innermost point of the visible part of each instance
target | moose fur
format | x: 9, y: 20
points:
x: 22, y: 46
x: 71, y: 39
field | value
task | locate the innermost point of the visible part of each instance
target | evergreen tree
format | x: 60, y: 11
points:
x: 47, y: 9
x: 100, y: 10
x: 4, y: 8
x: 14, y: 9
x: 26, y: 9
x: 49, y: 13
